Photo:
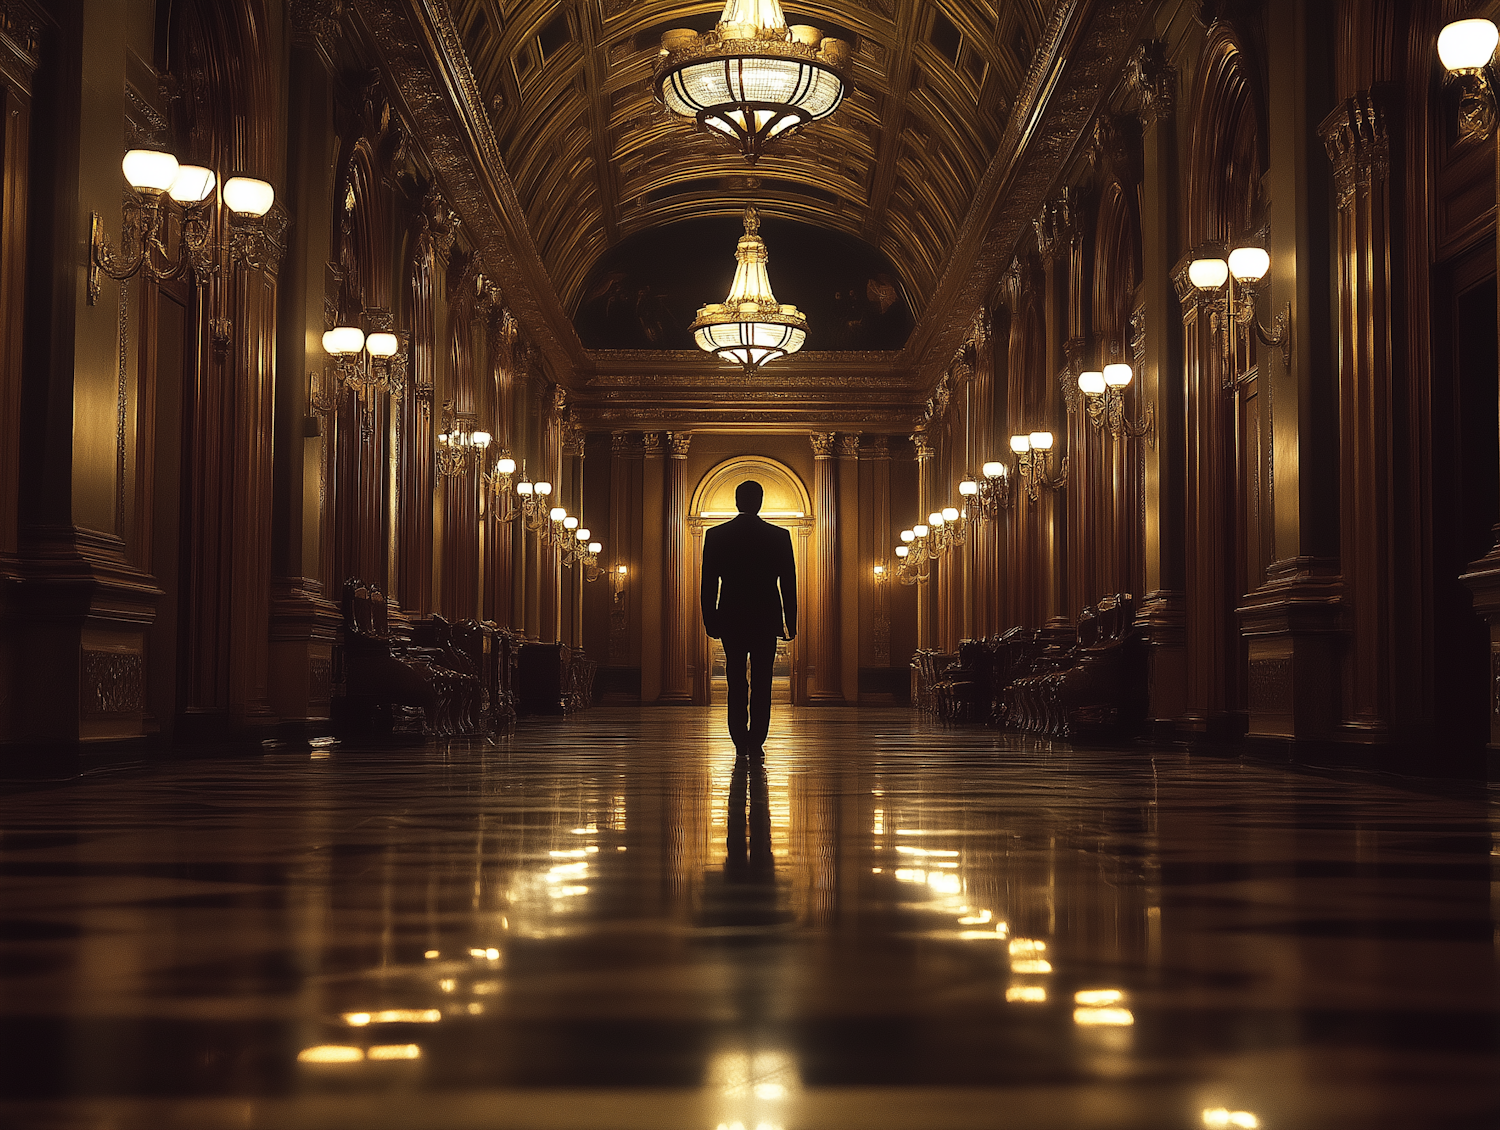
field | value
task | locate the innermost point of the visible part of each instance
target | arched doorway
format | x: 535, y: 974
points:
x: 787, y: 504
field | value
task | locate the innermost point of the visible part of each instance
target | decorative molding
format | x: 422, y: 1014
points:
x: 625, y: 445
x: 316, y: 22
x: 878, y: 447
x: 822, y: 444
x: 22, y: 27
x: 113, y: 683
x: 1115, y: 151
x: 679, y: 442
x: 848, y: 445
x: 651, y: 445
x: 1358, y: 141
x: 1056, y: 224
x: 438, y: 222
x: 923, y: 445
x: 1152, y: 82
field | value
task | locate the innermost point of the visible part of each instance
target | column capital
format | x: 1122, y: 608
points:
x: 849, y: 445
x: 923, y: 445
x: 679, y: 442
x: 625, y: 445
x: 878, y: 447
x: 822, y: 444
x: 1357, y: 137
x: 651, y: 446
x: 1152, y: 80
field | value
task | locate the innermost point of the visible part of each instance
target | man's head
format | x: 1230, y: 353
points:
x: 748, y: 496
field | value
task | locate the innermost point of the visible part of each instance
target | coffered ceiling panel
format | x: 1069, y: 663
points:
x: 594, y: 158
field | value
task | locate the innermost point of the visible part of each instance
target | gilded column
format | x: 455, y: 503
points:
x: 924, y: 504
x: 1358, y: 143
x: 825, y: 605
x: 1162, y: 613
x: 676, y: 687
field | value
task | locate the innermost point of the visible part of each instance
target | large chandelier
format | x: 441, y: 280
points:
x: 750, y: 327
x: 752, y: 78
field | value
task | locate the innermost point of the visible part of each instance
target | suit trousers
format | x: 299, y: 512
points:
x: 749, y: 734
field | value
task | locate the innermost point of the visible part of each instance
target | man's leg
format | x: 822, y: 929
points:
x: 735, y: 652
x: 762, y: 659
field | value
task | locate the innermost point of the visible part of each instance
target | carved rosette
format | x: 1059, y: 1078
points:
x: 822, y: 444
x: 679, y: 442
x: 1152, y: 82
x: 848, y: 445
x: 1358, y: 141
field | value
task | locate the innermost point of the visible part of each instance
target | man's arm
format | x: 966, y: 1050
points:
x: 787, y: 576
x: 708, y: 592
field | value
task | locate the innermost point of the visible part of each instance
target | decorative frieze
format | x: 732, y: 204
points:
x: 1152, y: 82
x: 113, y: 683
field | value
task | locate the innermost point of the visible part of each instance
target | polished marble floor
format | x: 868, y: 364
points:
x: 599, y: 923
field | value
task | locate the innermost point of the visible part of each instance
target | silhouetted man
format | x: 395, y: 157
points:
x: 749, y: 599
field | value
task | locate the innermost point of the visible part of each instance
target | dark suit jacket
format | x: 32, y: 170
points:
x: 743, y: 561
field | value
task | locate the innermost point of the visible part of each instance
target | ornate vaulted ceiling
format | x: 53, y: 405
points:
x: 594, y: 158
x: 539, y: 122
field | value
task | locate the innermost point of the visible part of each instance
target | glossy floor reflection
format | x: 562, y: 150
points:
x: 599, y: 923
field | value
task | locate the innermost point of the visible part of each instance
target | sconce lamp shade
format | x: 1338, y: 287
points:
x: 481, y: 439
x: 507, y: 466
x: 192, y: 184
x: 248, y: 196
x: 557, y: 513
x: 1117, y: 376
x: 935, y: 520
x: 524, y: 488
x: 920, y: 530
x: 968, y: 488
x: 880, y: 570
x: 1041, y: 441
x: 149, y: 170
x: 1020, y: 444
x: 993, y: 470
x: 595, y: 546
x: 902, y: 551
x: 1467, y: 45
x: 950, y: 513
x: 1091, y: 382
x: 343, y: 341
x: 1208, y: 274
x: 570, y: 523
x: 908, y: 535
x: 544, y: 488
x: 621, y: 569
x: 1249, y: 264
x: 584, y: 533
x: 382, y: 344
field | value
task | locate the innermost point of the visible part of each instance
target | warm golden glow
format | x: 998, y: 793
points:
x: 1467, y: 45
x: 1208, y: 274
x: 192, y: 185
x: 248, y: 196
x: 1026, y: 994
x: 1117, y: 376
x: 330, y: 1053
x: 1020, y: 444
x: 1249, y: 264
x: 395, y: 1051
x: 1103, y: 1017
x: 1091, y: 382
x: 750, y: 328
x: 1217, y: 1118
x: 149, y: 170
x: 393, y: 1016
x: 1098, y: 996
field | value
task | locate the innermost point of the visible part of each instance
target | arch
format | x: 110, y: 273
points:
x: 1117, y: 266
x: 1228, y: 146
x: 786, y: 495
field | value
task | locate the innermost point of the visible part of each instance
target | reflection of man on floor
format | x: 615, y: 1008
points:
x: 749, y: 597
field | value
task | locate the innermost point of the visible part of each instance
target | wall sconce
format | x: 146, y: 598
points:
x: 908, y: 563
x: 1104, y: 397
x: 497, y: 479
x: 368, y: 365
x: 1236, y: 305
x: 459, y: 445
x: 164, y: 188
x: 1033, y: 458
x: 617, y: 582
x: 533, y: 498
x: 880, y: 574
x: 986, y: 496
x: 1466, y: 48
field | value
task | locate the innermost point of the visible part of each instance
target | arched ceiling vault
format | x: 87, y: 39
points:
x: 594, y: 158
x: 538, y: 122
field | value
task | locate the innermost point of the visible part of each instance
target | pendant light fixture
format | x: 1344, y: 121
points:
x: 752, y: 78
x: 750, y: 327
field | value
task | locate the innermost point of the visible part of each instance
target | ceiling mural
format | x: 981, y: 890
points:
x: 643, y: 292
x: 595, y: 159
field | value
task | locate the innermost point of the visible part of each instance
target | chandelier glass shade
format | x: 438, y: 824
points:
x: 750, y: 328
x: 752, y: 78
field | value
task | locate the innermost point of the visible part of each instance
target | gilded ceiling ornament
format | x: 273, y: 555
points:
x: 822, y: 444
x: 1152, y: 81
x: 750, y: 327
x: 752, y: 78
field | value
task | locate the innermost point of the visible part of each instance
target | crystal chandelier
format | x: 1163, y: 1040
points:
x: 752, y: 78
x: 750, y: 327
